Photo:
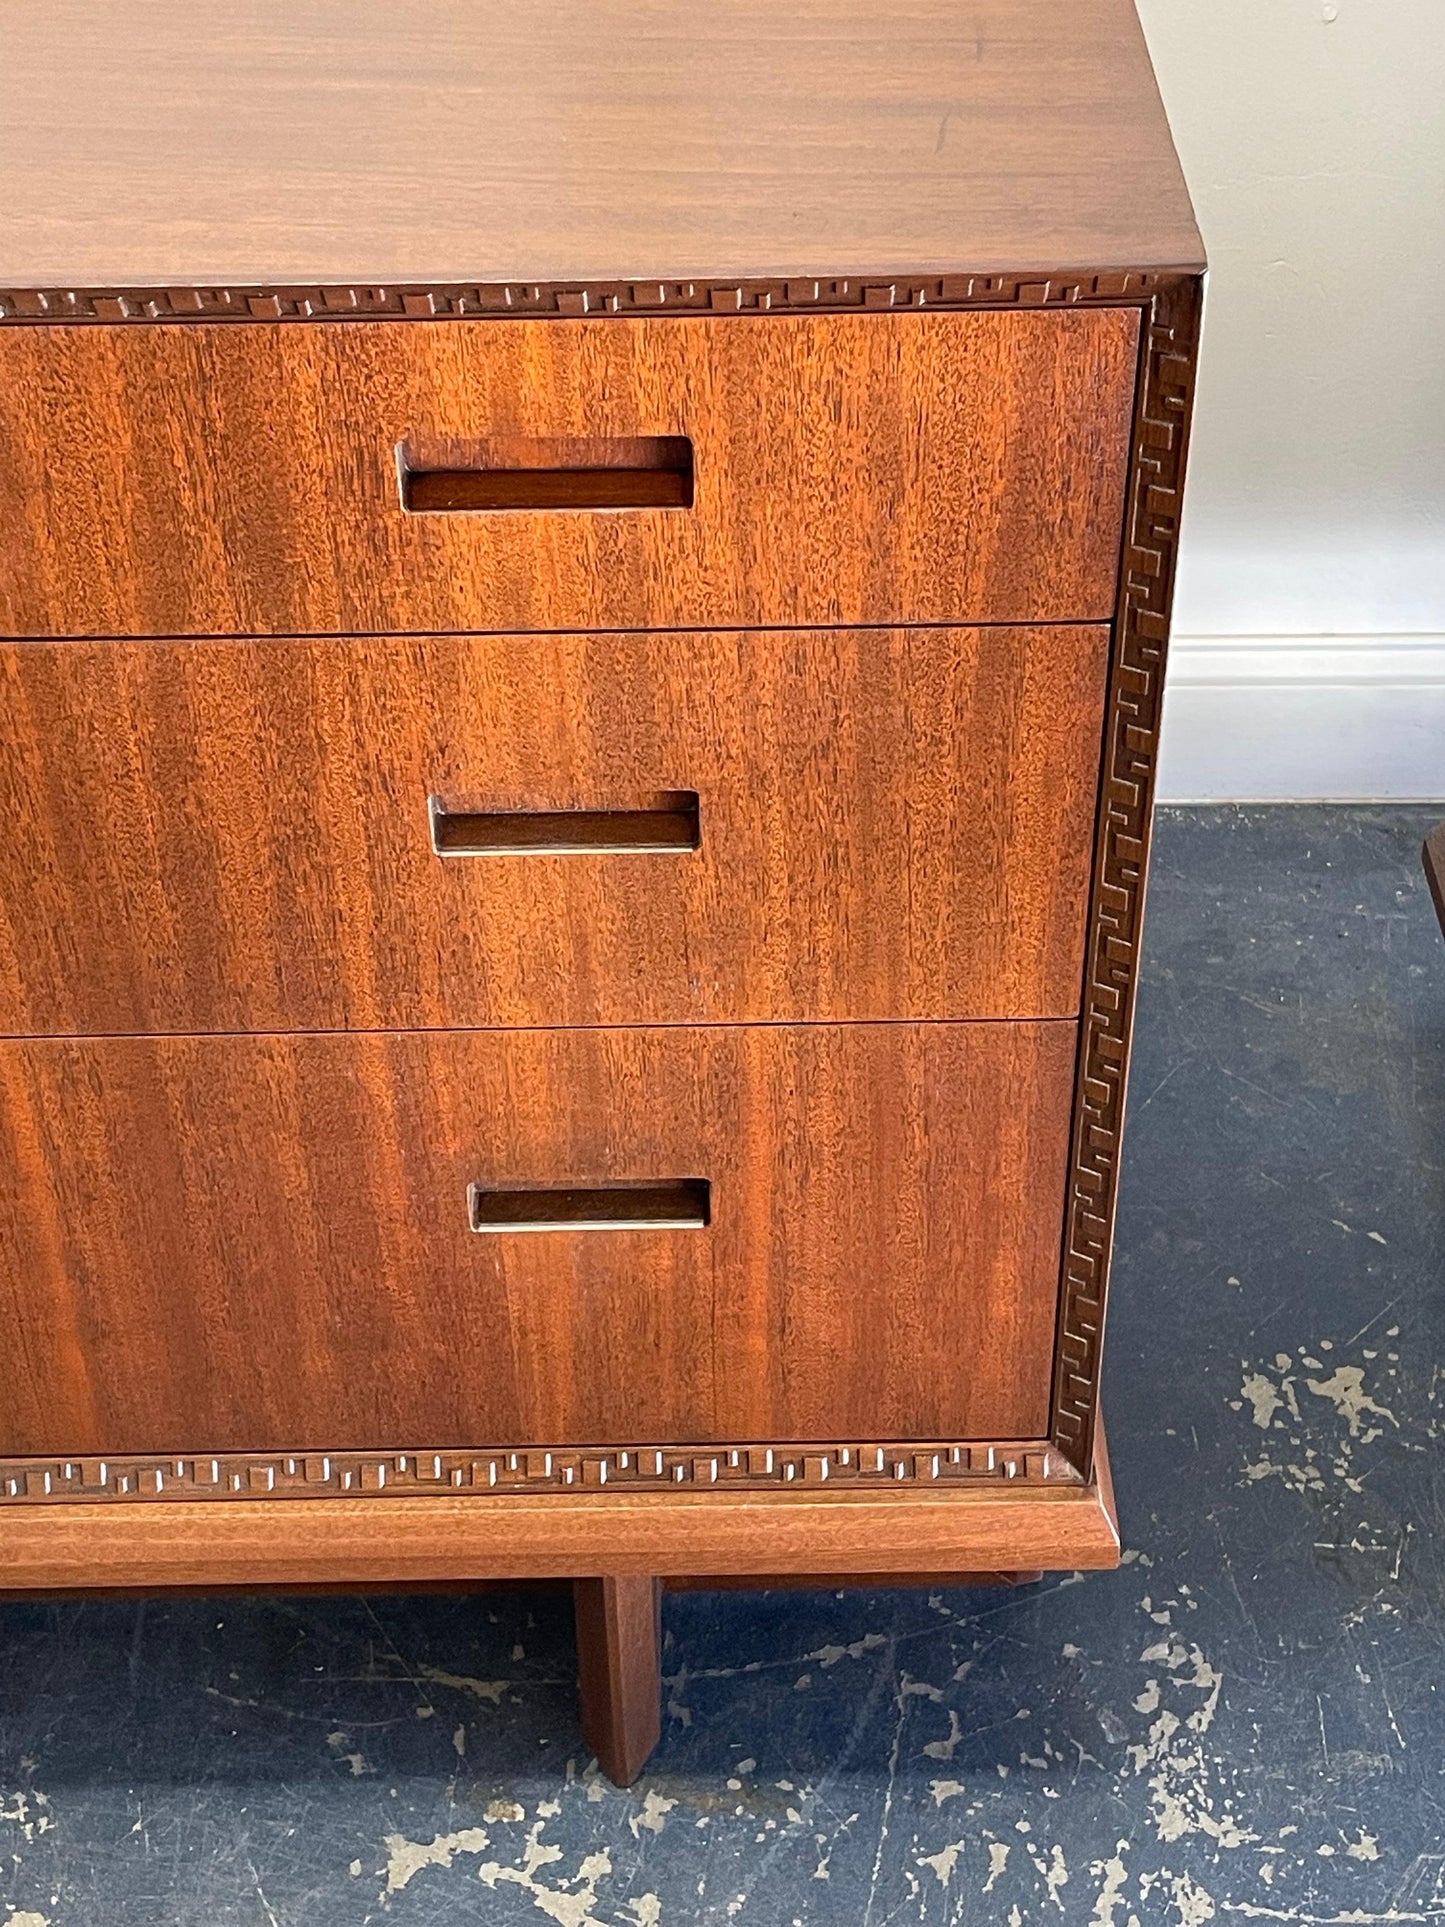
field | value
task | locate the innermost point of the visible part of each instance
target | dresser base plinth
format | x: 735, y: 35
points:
x: 1004, y: 1526
x: 630, y: 1547
x: 341, y: 1542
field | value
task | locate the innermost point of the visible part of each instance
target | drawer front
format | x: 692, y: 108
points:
x: 253, y: 1243
x: 250, y: 478
x: 237, y: 836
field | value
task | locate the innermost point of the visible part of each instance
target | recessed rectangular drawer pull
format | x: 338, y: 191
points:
x: 642, y: 472
x: 672, y: 824
x: 676, y: 1204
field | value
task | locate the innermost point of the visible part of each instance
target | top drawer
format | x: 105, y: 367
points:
x: 262, y: 478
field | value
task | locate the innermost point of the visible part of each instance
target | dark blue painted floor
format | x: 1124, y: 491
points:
x: 1242, y: 1724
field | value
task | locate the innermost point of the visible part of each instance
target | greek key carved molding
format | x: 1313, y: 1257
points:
x: 653, y: 1468
x: 1170, y: 304
x: 1121, y: 857
x: 459, y: 301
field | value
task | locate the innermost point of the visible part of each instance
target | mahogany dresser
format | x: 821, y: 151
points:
x: 584, y: 588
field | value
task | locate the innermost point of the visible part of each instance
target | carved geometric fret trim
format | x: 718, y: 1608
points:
x: 532, y: 1471
x: 1170, y: 301
x: 1125, y: 819
x: 737, y: 1468
x: 473, y: 300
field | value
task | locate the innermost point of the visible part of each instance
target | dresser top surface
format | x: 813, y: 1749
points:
x: 182, y: 143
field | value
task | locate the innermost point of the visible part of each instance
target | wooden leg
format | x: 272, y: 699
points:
x: 1434, y: 854
x: 619, y: 1663
x: 1023, y: 1578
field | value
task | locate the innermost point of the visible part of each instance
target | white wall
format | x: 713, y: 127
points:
x: 1310, y: 611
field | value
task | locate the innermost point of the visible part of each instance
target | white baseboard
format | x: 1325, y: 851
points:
x: 1304, y: 719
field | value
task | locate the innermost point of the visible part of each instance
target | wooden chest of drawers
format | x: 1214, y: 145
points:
x: 576, y: 751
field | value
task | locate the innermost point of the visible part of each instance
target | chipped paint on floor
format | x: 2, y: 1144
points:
x: 1242, y: 1724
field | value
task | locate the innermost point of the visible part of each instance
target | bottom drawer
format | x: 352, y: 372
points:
x: 323, y: 1242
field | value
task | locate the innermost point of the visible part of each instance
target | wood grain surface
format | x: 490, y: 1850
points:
x: 225, y: 835
x: 1433, y: 857
x: 220, y: 479
x: 242, y: 1243
x: 546, y: 139
x: 371, y: 1541
x: 619, y: 1654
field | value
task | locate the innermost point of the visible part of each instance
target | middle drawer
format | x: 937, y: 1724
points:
x: 406, y: 833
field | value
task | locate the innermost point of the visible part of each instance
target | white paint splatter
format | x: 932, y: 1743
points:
x: 911, y: 1688
x: 490, y: 1690
x: 1263, y: 1397
x: 998, y: 1852
x: 943, y: 1862
x: 647, y: 1908
x: 1172, y: 1756
x: 406, y: 1858
x: 567, y: 1909
x: 1194, y: 1904
x: 1367, y: 1847
x: 945, y: 1790
x: 1056, y: 1876
x: 1352, y: 1917
x: 1111, y: 1893
x: 26, y: 1811
x: 945, y: 1749
x: 655, y: 1809
x: 1345, y: 1389
x: 504, y: 1810
x: 830, y: 1655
